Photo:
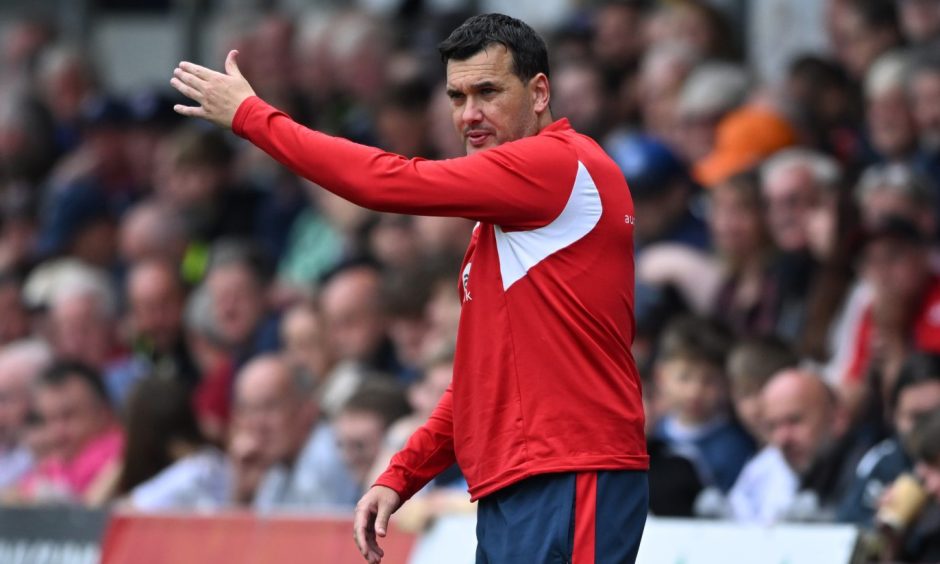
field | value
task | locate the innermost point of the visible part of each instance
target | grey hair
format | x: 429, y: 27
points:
x: 825, y: 170
x: 888, y: 72
x: 713, y: 88
x: 896, y: 178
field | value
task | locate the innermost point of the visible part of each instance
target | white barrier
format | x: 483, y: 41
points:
x: 677, y: 541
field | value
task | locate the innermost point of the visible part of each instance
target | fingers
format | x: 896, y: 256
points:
x: 198, y: 70
x: 187, y: 90
x: 381, y: 519
x: 231, y: 66
x: 190, y: 111
x: 189, y: 78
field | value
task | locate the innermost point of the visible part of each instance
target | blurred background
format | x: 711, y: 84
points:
x: 187, y: 327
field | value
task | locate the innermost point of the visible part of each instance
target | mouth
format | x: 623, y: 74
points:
x: 477, y: 138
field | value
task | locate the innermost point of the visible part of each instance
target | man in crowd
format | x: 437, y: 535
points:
x: 21, y: 363
x: 546, y: 396
x: 275, y: 404
x: 85, y: 440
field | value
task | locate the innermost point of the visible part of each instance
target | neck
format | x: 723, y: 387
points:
x: 545, y: 119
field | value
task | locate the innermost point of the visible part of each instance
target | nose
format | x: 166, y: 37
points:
x: 472, y: 113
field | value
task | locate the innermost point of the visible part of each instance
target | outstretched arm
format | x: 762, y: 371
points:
x: 520, y: 185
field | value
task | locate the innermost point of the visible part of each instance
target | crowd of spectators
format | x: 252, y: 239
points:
x: 186, y: 325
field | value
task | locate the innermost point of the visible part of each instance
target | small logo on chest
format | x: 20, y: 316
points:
x: 465, y: 280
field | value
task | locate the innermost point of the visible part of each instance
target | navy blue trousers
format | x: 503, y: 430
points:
x: 577, y: 518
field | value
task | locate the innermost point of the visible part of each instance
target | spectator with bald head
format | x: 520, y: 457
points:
x: 152, y: 229
x: 21, y: 363
x: 276, y: 405
x: 350, y: 300
x: 155, y: 298
x: 807, y: 423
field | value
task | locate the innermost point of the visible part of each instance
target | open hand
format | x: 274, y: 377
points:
x: 218, y: 94
x: 372, y: 513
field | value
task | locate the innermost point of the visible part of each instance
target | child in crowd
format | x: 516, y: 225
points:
x: 750, y: 365
x: 690, y: 376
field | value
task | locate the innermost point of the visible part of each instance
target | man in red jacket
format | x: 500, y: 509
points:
x: 544, y: 415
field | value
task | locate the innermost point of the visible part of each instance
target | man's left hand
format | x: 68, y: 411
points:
x: 218, y: 94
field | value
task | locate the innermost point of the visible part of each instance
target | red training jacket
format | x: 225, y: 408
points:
x: 544, y: 380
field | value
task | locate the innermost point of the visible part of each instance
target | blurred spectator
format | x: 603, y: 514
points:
x: 65, y: 81
x: 888, y: 115
x: 899, y: 319
x: 663, y: 70
x: 21, y: 363
x: 811, y: 428
x: 923, y: 87
x: 83, y: 321
x: 743, y: 138
x: 276, y: 405
x: 362, y: 423
x: 168, y: 465
x: 402, y: 122
x: 404, y: 295
x: 78, y: 223
x: 350, y: 299
x: 896, y: 190
x: 747, y: 300
x: 861, y: 30
x: 920, y: 21
x: 303, y: 333
x: 921, y: 539
x: 663, y: 193
x: 699, y: 25
x: 690, y: 375
x: 85, y: 442
x: 826, y: 106
x: 800, y: 189
x: 915, y: 396
x: 154, y: 323
x: 711, y: 90
x: 618, y: 41
x: 153, y: 230
x: 237, y: 281
x: 751, y: 363
x: 578, y: 94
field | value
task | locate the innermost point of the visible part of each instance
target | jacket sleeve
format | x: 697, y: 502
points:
x: 520, y: 185
x: 428, y: 452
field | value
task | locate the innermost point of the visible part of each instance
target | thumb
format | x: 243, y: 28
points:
x: 381, y: 518
x: 231, y: 67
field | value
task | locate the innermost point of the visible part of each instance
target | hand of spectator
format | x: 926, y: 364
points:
x: 218, y: 94
x: 372, y: 513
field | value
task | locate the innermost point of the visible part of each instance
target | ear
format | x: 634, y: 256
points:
x: 541, y: 92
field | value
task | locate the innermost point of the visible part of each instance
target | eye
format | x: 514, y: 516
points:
x: 487, y: 91
x: 456, y: 97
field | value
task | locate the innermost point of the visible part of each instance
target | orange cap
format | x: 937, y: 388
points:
x: 743, y: 138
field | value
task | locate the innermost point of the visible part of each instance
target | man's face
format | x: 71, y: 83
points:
x: 266, y: 407
x: 797, y: 424
x: 359, y: 437
x: 81, y: 331
x: 354, y: 321
x: 237, y: 302
x: 156, y: 306
x: 490, y: 104
x: 891, y: 124
x: 915, y: 403
x: 72, y: 416
x: 790, y: 196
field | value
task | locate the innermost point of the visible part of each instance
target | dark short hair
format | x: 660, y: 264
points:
x: 381, y: 397
x: 529, y: 54
x: 62, y: 372
x: 918, y: 368
x: 926, y: 439
x: 696, y: 339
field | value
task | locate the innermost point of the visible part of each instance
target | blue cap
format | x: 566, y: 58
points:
x: 104, y: 111
x: 70, y: 211
x: 647, y: 163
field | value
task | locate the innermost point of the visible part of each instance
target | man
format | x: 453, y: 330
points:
x: 808, y: 426
x: 275, y: 404
x: 21, y: 362
x: 915, y: 396
x: 85, y: 441
x: 155, y: 298
x: 545, y: 413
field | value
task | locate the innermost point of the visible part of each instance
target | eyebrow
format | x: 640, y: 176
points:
x: 451, y: 91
